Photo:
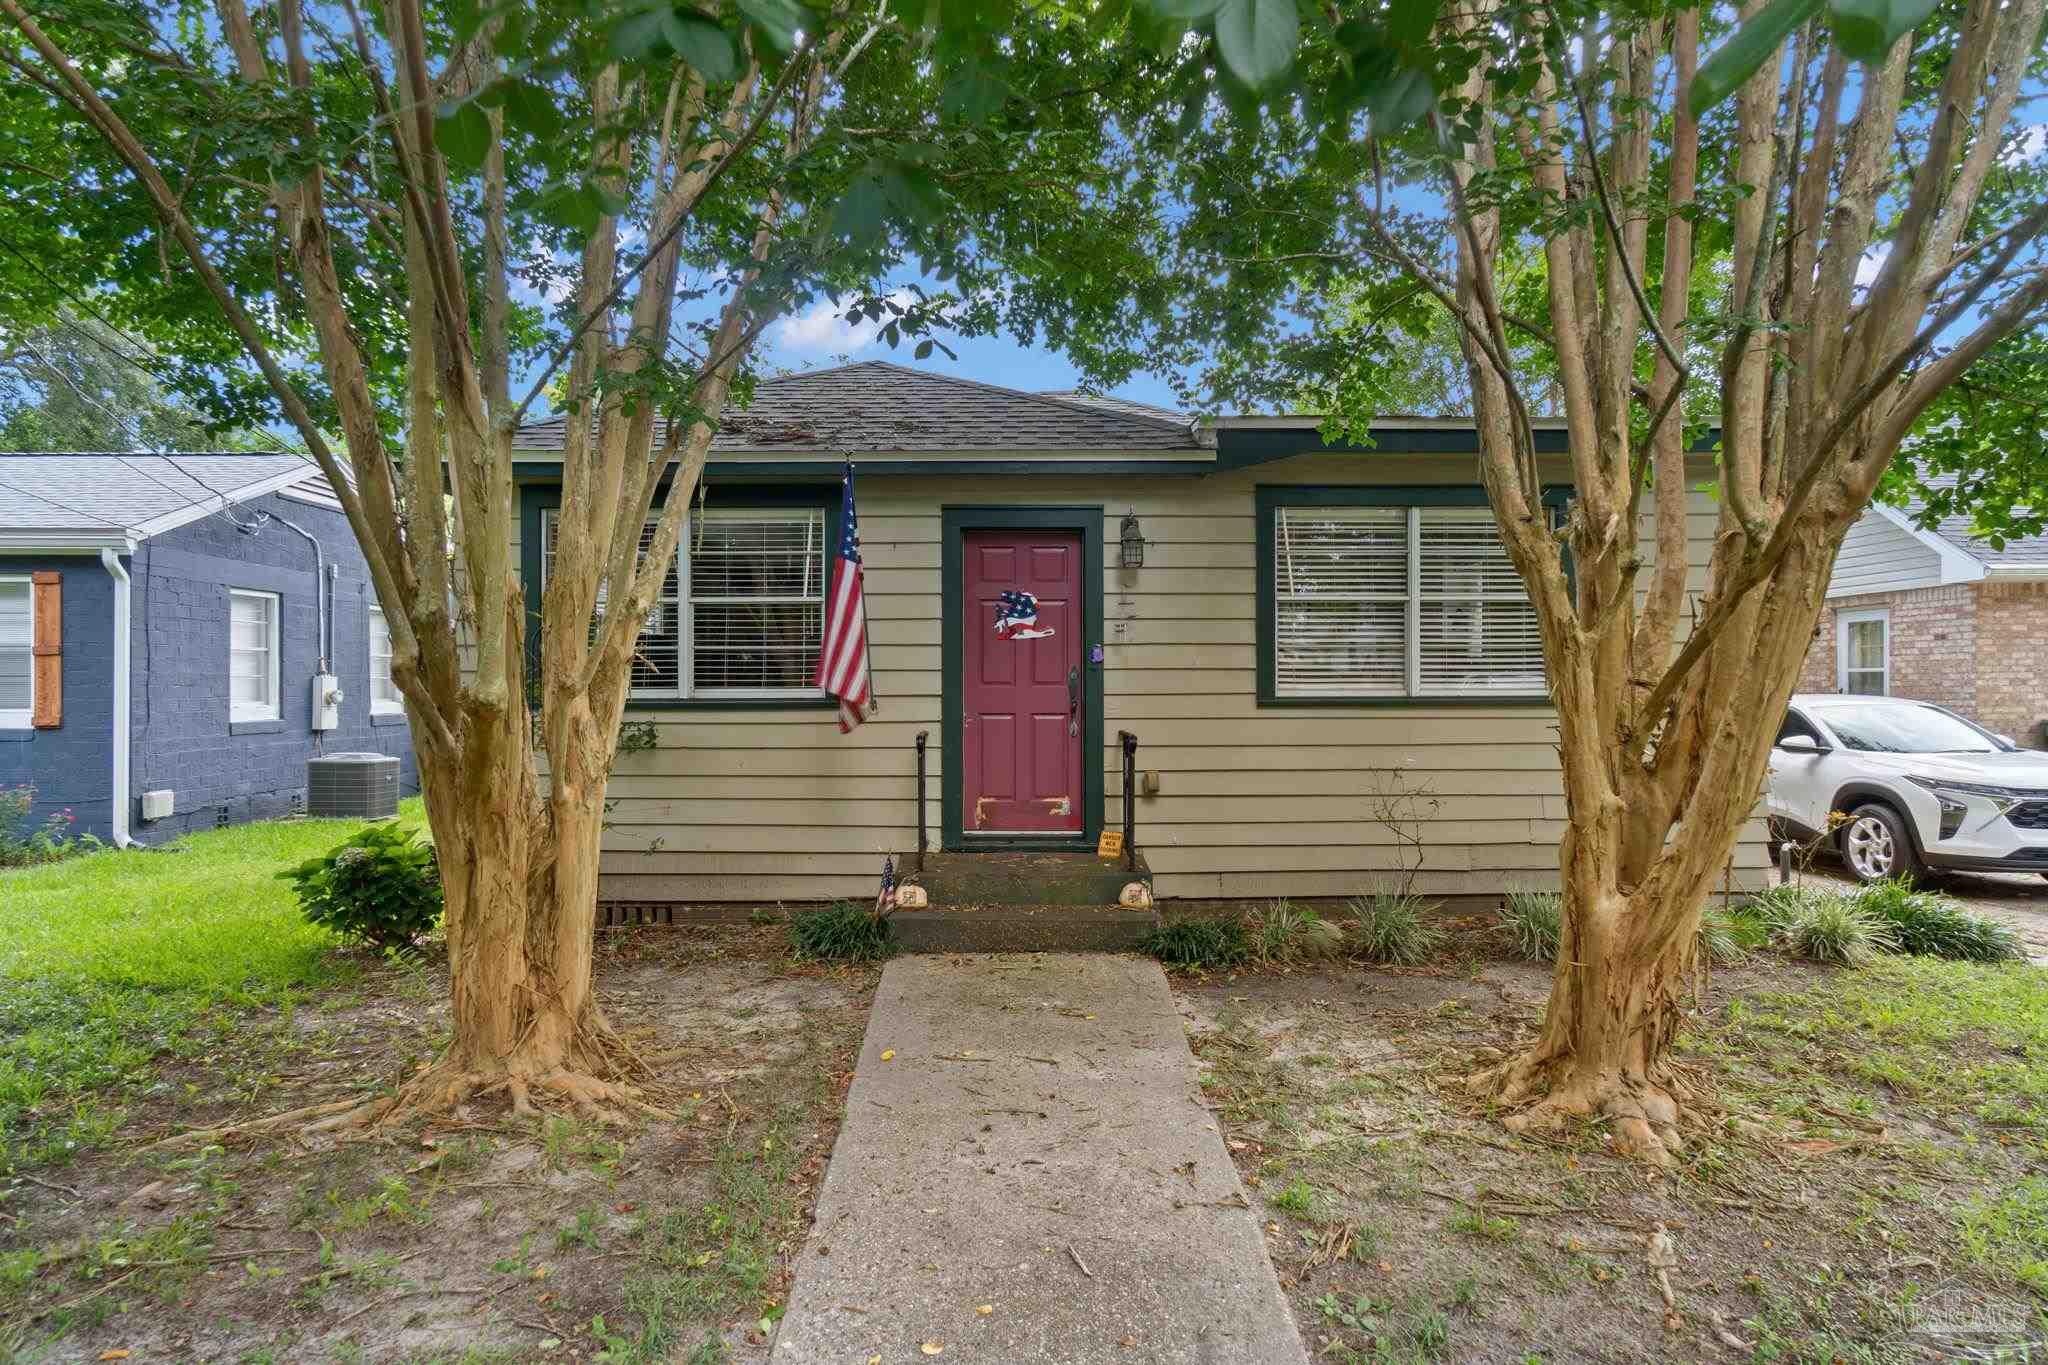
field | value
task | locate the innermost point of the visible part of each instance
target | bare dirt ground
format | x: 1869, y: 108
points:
x: 478, y: 1239
x: 1846, y: 1194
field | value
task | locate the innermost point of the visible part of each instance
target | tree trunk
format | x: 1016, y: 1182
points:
x: 1647, y: 840
x: 519, y: 876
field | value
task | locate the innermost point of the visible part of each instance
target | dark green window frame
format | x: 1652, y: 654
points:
x: 1272, y: 497
x: 537, y: 499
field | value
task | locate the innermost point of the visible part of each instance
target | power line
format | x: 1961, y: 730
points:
x: 79, y: 300
x: 92, y: 518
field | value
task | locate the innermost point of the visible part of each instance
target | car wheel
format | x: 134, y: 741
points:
x: 1875, y: 844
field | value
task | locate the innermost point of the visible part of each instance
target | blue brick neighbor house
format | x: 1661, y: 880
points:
x: 167, y: 624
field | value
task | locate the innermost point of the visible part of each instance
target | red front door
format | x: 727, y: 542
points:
x: 1022, y: 688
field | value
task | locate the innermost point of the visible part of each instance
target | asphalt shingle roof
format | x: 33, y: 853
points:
x: 873, y: 405
x: 2023, y: 552
x: 94, y: 492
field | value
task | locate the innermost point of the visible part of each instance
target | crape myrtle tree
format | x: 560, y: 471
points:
x: 1800, y: 233
x: 415, y: 219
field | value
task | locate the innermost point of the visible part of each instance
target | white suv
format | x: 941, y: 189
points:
x: 1903, y: 786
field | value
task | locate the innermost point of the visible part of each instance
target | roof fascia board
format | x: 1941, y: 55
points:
x: 821, y: 471
x: 1957, y: 564
x: 47, y: 542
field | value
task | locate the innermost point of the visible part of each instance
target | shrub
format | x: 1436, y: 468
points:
x: 1534, y: 921
x: 1935, y: 926
x: 1779, y: 908
x: 1211, y: 941
x: 24, y: 843
x: 1722, y: 938
x: 1391, y: 927
x: 382, y: 886
x: 1283, y: 933
x: 841, y: 932
x: 1836, y: 929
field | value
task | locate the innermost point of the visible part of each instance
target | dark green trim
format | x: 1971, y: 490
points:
x: 1271, y: 497
x: 539, y: 496
x: 1239, y: 448
x: 956, y: 522
x: 799, y: 471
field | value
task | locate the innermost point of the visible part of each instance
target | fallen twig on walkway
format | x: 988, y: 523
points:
x: 1079, y: 1262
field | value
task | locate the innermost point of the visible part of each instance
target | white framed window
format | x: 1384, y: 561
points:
x: 1372, y: 601
x: 1863, y: 652
x: 741, y: 610
x: 17, y: 653
x: 252, y: 655
x: 384, y: 697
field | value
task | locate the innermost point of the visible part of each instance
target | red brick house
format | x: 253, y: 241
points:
x: 1936, y: 615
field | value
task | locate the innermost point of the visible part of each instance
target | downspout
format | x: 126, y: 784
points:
x: 123, y: 607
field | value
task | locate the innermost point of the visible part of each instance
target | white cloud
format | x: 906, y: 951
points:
x: 822, y: 329
x: 2030, y: 142
x: 1872, y: 262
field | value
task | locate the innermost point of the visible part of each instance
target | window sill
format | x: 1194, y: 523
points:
x: 387, y: 718
x: 1508, y: 699
x: 732, y: 704
x: 253, y: 726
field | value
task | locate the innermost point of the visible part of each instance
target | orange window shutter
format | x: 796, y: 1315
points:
x: 49, y: 649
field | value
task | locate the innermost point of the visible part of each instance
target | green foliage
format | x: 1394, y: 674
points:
x: 1835, y: 929
x: 1393, y: 928
x: 1723, y: 939
x: 24, y: 842
x: 1206, y: 941
x: 1534, y: 922
x: 841, y: 932
x: 92, y: 991
x: 1284, y: 933
x: 1935, y: 926
x: 1778, y: 908
x: 2010, y: 1233
x: 381, y: 885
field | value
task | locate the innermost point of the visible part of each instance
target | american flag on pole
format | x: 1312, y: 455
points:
x: 843, y: 658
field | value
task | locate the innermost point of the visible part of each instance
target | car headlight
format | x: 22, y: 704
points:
x: 1950, y: 795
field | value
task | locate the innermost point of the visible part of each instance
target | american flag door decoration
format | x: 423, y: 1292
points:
x: 843, y: 656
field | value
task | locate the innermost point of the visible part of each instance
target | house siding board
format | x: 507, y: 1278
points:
x: 1253, y: 801
x: 1878, y: 555
x: 70, y: 766
x: 181, y: 736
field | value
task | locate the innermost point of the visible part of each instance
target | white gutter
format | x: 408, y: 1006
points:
x: 122, y: 609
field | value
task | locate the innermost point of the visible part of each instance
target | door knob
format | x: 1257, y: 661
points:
x: 1074, y: 700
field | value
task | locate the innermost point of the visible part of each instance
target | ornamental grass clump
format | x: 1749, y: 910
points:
x: 1534, y: 921
x: 1284, y: 932
x: 1210, y: 941
x: 841, y: 932
x: 1393, y: 928
x: 1934, y: 925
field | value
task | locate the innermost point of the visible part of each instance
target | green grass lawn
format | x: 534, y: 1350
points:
x: 111, y: 959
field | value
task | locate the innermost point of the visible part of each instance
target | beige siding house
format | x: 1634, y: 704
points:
x: 1316, y: 637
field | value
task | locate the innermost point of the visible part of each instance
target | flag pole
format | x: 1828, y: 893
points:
x: 874, y: 693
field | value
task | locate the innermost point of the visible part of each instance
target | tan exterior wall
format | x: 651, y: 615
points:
x: 754, y: 805
x: 2012, y: 660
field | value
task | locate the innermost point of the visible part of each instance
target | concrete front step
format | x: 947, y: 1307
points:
x: 1013, y: 879
x: 1023, y: 928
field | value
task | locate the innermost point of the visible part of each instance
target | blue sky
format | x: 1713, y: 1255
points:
x: 818, y: 336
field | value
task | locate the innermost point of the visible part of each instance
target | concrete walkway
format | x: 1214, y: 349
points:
x: 1024, y: 1135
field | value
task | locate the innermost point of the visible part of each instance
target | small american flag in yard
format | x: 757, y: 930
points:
x: 843, y: 659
